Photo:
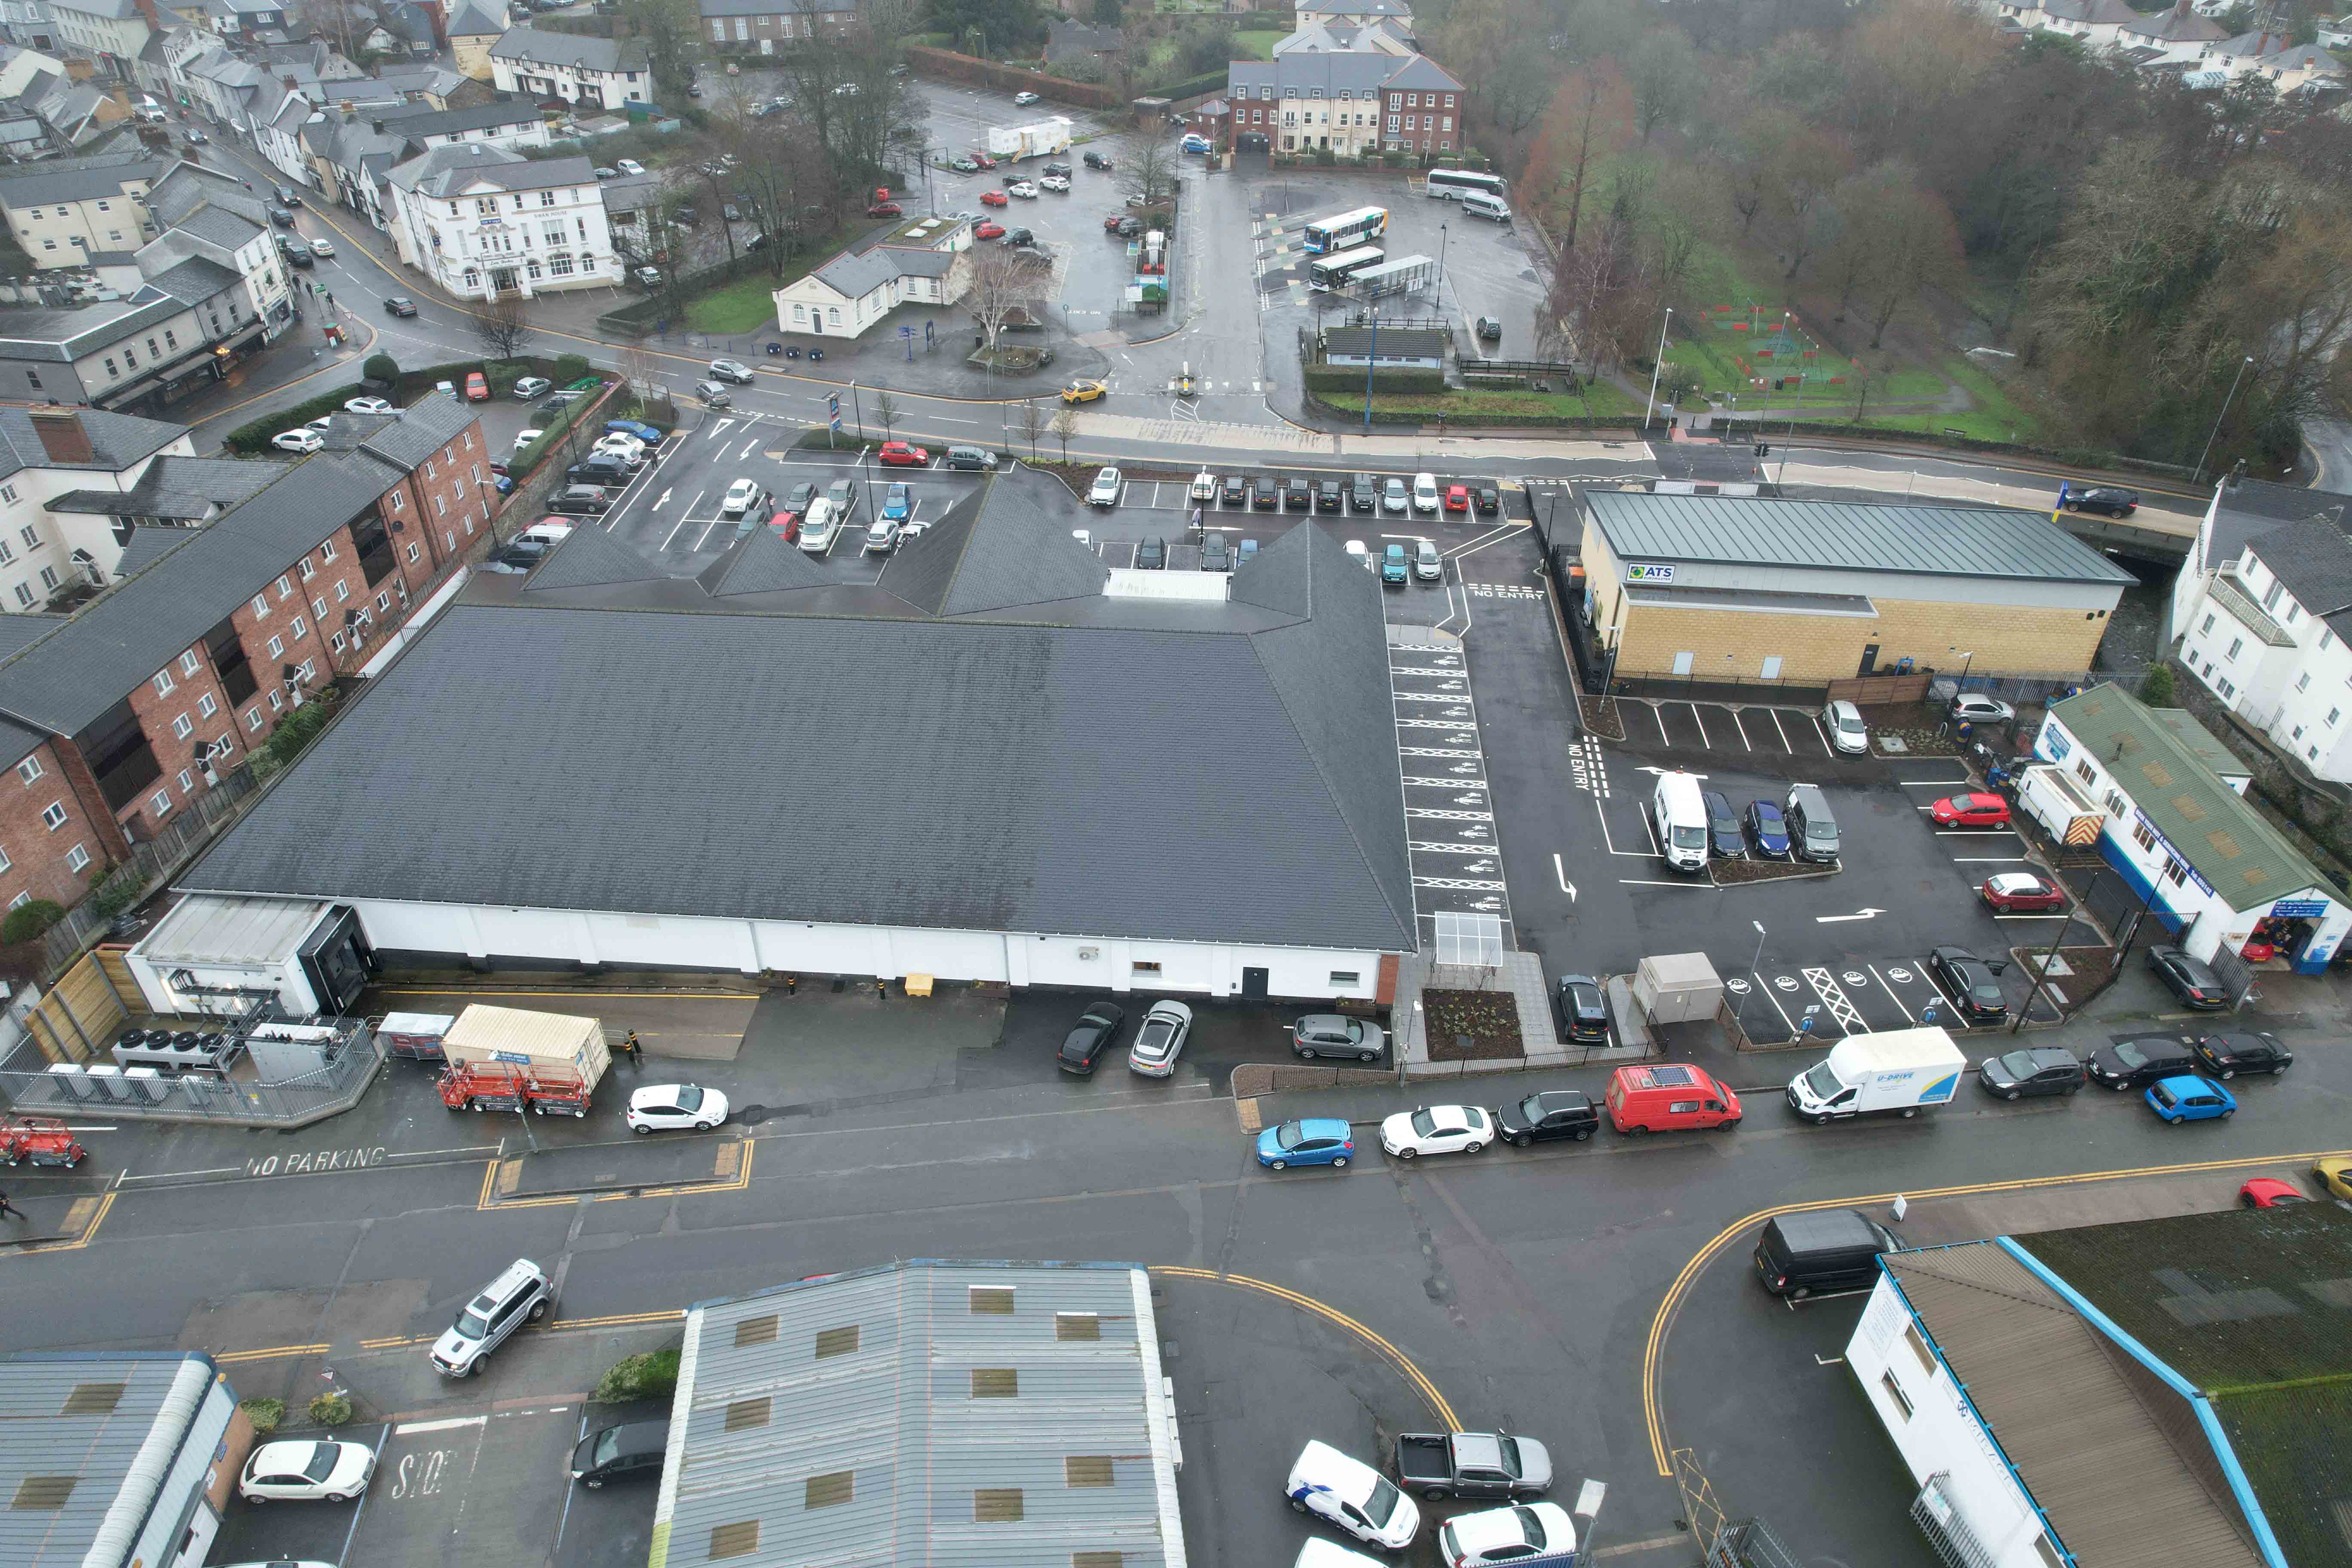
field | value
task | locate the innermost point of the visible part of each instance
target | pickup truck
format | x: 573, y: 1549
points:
x: 1471, y: 1465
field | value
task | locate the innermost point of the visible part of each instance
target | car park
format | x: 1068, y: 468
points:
x: 1337, y: 1035
x: 526, y: 437
x: 2269, y: 1193
x: 1768, y: 830
x: 667, y: 1107
x: 1232, y: 490
x: 820, y: 526
x: 650, y: 434
x: 972, y: 458
x: 294, y: 1470
x: 965, y: 165
x: 1105, y: 491
x: 1245, y: 554
x: 1821, y: 1249
x: 2227, y: 1056
x: 1084, y: 391
x: 1092, y: 1034
x: 1527, y: 1532
x: 1847, y: 733
x: 2042, y: 1069
x: 1974, y: 707
x: 1363, y: 556
x: 1394, y: 569
x: 842, y: 495
x: 1096, y: 161
x: 1057, y: 171
x: 2334, y: 1174
x: 886, y: 209
x: 1027, y: 237
x: 1159, y: 1040
x: 1727, y: 840
x: 994, y: 199
x: 1266, y: 492
x: 1488, y: 328
x: 1364, y: 495
x: 1972, y: 983
x: 609, y: 472
x: 1457, y: 500
x: 1217, y: 554
x: 2191, y: 1098
x: 1329, y: 496
x: 517, y: 557
x: 2137, y: 1062
x: 787, y: 526
x: 303, y: 440
x: 1488, y: 499
x: 1058, y: 184
x: 1353, y: 1496
x: 2109, y: 500
x: 1151, y: 555
x: 1438, y: 1130
x: 2189, y: 979
x: 1976, y: 810
x: 898, y: 503
x: 603, y: 172
x: 1553, y: 1114
x: 2020, y: 892
x: 628, y: 165
x: 1424, y: 494
x: 400, y: 305
x: 522, y: 1293
x: 1672, y: 1096
x: 901, y: 455
x: 731, y: 371
x: 1428, y: 564
x: 1583, y: 1015
x: 743, y: 496
x: 1023, y: 99
x: 1194, y: 142
x: 1812, y: 831
x: 580, y: 500
x: 1023, y: 189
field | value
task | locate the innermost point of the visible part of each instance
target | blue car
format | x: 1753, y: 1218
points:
x: 1393, y: 567
x: 1196, y: 143
x: 646, y: 433
x: 2189, y: 1097
x: 1768, y: 830
x: 1312, y: 1140
x: 896, y: 507
x: 504, y: 484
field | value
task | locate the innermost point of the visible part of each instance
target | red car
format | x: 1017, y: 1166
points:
x: 1457, y: 497
x: 903, y: 456
x: 787, y: 525
x: 476, y: 389
x: 988, y: 231
x: 982, y: 159
x: 2020, y: 892
x: 1971, y: 811
x: 994, y: 199
x: 2268, y: 1193
x: 886, y: 209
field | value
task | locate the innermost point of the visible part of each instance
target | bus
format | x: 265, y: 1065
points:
x: 1449, y: 184
x: 1345, y: 231
x: 1405, y: 275
x: 1333, y: 271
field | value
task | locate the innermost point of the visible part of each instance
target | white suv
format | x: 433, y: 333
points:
x: 1424, y: 493
x: 1105, y: 488
x: 741, y: 497
x: 522, y: 1294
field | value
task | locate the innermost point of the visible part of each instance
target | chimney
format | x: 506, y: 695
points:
x: 291, y: 85
x: 62, y: 436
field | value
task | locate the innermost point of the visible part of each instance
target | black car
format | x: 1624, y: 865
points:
x: 609, y: 473
x: 1328, y: 495
x: 797, y: 499
x: 286, y: 197
x: 1018, y: 236
x: 400, y: 305
x: 1096, y: 161
x: 1151, y: 555
x: 282, y: 216
x: 516, y: 558
x: 2043, y: 1069
x: 2227, y: 1056
x: 1298, y: 494
x: 1727, y: 840
x: 1487, y: 499
x: 1266, y: 492
x: 298, y: 254
x: 2136, y: 1063
x: 2111, y: 500
x: 1969, y: 980
x: 844, y: 494
x: 1061, y: 169
x: 1583, y: 1014
x: 1216, y: 555
x: 2189, y: 979
x: 1233, y: 491
x: 1364, y: 495
x: 1555, y: 1114
x: 632, y: 1448
x: 1096, y: 1027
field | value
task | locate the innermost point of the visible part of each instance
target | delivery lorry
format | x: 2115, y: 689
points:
x: 1440, y: 1465
x: 1046, y: 139
x: 1902, y: 1070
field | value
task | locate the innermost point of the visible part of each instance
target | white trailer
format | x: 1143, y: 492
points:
x: 226, y: 955
x: 1902, y: 1070
x: 1043, y: 139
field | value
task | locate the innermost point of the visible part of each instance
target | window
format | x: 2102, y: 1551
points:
x: 8, y: 494
x: 206, y: 707
x: 77, y: 858
x: 996, y: 1505
x: 1086, y: 1470
x: 253, y: 719
x: 835, y: 1487
x: 2333, y: 715
x: 739, y: 1540
x: 336, y: 642
x: 261, y: 604
x: 2303, y: 681
x: 171, y: 340
x: 992, y: 1301
x: 29, y: 769
x: 31, y: 535
x: 305, y: 672
x: 1078, y: 1326
x: 318, y: 608
x: 276, y: 647
x: 2224, y: 688
x: 327, y: 551
x: 284, y: 588
x: 831, y: 1343
x: 383, y: 600
x: 186, y: 783
x: 20, y: 900
x: 995, y: 1383
x: 1343, y: 977
x: 1392, y: 122
x: 1918, y: 1343
x: 2327, y: 640
x: 163, y: 683
x: 23, y: 596
x: 1894, y: 1391
x: 309, y: 569
x: 411, y: 554
x: 343, y: 592
x: 159, y: 802
x: 49, y: 578
x: 183, y: 727
x: 2235, y: 644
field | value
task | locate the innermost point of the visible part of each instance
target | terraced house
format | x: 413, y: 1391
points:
x: 1352, y: 100
x: 605, y: 73
x: 484, y: 223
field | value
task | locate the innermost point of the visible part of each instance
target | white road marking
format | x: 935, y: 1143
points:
x: 1658, y: 712
x: 1698, y: 887
x: 1742, y: 729
x: 685, y: 517
x: 452, y: 1423
x: 1890, y: 991
x: 1701, y: 720
x: 1561, y: 872
x: 1866, y: 913
x: 1824, y: 739
x: 1784, y: 734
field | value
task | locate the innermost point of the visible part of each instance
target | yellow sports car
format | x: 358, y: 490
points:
x: 2334, y: 1175
x: 1083, y: 391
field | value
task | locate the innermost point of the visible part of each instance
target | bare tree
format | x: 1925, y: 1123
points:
x: 885, y: 413
x: 1151, y: 166
x: 1033, y: 425
x: 1000, y: 281
x: 503, y: 329
x: 1064, y: 426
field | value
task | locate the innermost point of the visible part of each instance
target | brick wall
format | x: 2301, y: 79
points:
x: 37, y: 852
x: 198, y: 702
x: 1812, y: 648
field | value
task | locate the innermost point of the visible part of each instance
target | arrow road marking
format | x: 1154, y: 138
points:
x: 1859, y: 915
x: 663, y: 502
x: 1565, y: 885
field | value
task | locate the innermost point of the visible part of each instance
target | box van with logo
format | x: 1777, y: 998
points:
x: 1678, y: 817
x: 1480, y: 204
x: 1669, y: 1097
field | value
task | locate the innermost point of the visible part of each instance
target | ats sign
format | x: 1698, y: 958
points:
x: 1638, y: 572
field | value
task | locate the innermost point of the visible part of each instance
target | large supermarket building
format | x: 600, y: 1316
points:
x: 1738, y: 588
x: 1004, y: 762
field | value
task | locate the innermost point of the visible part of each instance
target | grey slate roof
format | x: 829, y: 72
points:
x: 2248, y: 507
x: 592, y: 558
x: 854, y: 276
x: 2314, y: 561
x: 36, y: 1438
x: 447, y: 171
x: 778, y: 7
x: 63, y: 336
x: 1007, y: 543
x: 177, y: 486
x: 1359, y: 71
x: 869, y: 1377
x: 529, y: 46
x: 195, y: 280
x: 488, y: 116
x: 421, y: 429
x: 80, y: 179
x: 1021, y: 747
x: 1940, y: 542
x: 472, y: 22
x: 148, y: 545
x: 759, y: 563
x: 116, y: 441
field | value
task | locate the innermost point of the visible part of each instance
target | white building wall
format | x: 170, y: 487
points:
x: 624, y: 940
x: 1937, y: 1432
x: 2300, y: 697
x: 180, y: 1530
x: 448, y: 241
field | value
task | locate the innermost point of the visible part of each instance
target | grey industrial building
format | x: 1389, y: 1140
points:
x: 957, y: 1415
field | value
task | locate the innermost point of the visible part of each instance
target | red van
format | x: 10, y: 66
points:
x: 1671, y: 1098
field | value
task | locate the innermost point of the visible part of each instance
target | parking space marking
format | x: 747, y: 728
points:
x: 1742, y: 729
x: 1658, y: 712
x: 1784, y: 734
x: 1760, y: 985
x: 1700, y: 720
x: 1827, y: 749
x: 1833, y: 997
x: 1891, y: 992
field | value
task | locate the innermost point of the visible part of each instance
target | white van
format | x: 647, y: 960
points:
x: 1481, y: 203
x: 1678, y: 816
x: 546, y: 531
x: 818, y: 525
x: 1424, y: 493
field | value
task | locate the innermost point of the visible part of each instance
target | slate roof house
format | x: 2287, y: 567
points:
x: 853, y: 291
x: 602, y: 72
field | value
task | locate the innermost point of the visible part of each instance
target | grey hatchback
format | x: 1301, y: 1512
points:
x: 1337, y: 1035
x: 2043, y: 1069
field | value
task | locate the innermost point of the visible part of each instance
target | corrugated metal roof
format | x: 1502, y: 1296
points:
x: 1928, y: 541
x: 2093, y: 1454
x: 989, y: 1415
x: 205, y: 928
x: 95, y: 1446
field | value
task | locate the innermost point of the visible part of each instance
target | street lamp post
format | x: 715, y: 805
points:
x: 1759, y: 959
x: 1371, y: 358
x: 1968, y: 662
x: 1656, y: 366
x: 1441, y: 253
x: 1792, y: 432
x: 2208, y: 450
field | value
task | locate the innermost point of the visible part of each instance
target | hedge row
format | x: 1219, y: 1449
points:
x: 1345, y: 379
x: 1474, y: 421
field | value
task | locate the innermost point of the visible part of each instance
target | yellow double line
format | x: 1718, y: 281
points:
x: 1394, y: 1356
x: 488, y: 1199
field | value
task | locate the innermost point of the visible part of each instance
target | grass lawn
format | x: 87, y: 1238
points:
x: 1993, y: 405
x: 1601, y: 401
x: 1256, y: 44
x: 743, y: 306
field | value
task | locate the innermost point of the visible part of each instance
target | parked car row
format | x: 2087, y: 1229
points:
x: 1358, y: 1500
x: 1363, y: 494
x: 1693, y: 826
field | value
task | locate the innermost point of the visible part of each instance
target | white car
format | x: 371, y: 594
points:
x: 1161, y: 1040
x: 819, y: 525
x: 530, y: 386
x: 1356, y: 547
x: 322, y: 247
x: 367, y: 406
x: 1021, y: 189
x: 305, y: 1472
x: 1057, y: 183
x: 631, y: 452
x: 1105, y: 491
x: 1352, y: 1495
x: 628, y: 165
x: 1314, y: 1553
x: 303, y: 440
x: 525, y: 438
x: 1500, y: 1535
x: 1438, y: 1130
x: 740, y: 497
x: 1023, y: 99
x: 662, y: 1107
x: 1424, y: 493
x: 1842, y: 720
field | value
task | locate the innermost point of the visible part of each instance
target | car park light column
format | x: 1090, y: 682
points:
x: 1650, y: 411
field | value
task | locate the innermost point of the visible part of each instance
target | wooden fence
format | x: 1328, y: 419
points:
x: 81, y: 1015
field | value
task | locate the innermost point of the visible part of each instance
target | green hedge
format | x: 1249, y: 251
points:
x: 1208, y: 81
x: 1347, y: 378
x: 650, y: 1376
x: 1340, y: 410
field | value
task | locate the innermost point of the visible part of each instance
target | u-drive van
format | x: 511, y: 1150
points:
x: 1678, y: 816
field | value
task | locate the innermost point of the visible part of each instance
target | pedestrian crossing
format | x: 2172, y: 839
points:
x: 1279, y: 251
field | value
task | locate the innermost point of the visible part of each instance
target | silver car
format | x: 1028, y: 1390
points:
x: 1842, y: 720
x: 1393, y: 498
x: 1974, y: 707
x: 1161, y: 1040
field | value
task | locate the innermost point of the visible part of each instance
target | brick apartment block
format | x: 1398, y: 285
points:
x: 116, y: 717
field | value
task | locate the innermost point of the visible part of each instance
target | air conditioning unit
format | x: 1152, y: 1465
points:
x: 1089, y: 952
